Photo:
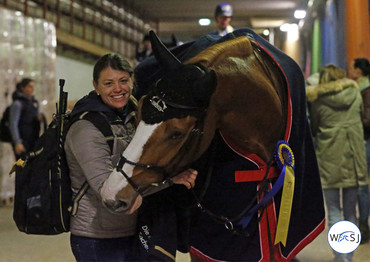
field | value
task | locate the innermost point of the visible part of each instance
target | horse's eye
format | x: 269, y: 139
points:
x: 175, y: 135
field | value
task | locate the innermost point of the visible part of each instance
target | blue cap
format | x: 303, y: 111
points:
x: 224, y: 9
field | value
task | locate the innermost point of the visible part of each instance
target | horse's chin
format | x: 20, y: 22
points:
x: 124, y: 205
x: 137, y: 203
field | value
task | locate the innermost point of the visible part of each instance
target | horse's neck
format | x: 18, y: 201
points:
x: 250, y: 113
x: 250, y: 101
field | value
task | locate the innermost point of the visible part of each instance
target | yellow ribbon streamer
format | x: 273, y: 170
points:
x: 19, y: 162
x: 285, y: 207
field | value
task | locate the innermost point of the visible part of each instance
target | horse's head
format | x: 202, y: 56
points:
x: 168, y: 130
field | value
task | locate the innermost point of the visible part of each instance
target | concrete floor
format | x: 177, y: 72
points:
x: 19, y: 247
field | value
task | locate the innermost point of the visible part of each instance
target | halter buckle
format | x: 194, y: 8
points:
x: 228, y: 224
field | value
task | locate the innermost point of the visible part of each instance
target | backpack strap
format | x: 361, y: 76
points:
x: 76, y: 200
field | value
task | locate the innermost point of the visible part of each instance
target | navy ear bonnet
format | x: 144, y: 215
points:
x: 182, y: 92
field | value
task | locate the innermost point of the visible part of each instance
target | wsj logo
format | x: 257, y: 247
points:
x: 349, y: 236
x: 344, y: 237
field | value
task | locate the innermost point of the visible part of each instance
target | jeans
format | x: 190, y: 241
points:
x: 332, y: 200
x: 363, y: 204
x: 87, y: 249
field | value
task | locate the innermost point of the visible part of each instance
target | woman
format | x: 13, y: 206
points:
x: 24, y: 118
x: 96, y: 233
x: 359, y: 71
x: 336, y: 107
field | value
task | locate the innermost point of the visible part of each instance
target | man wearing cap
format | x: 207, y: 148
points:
x: 223, y: 14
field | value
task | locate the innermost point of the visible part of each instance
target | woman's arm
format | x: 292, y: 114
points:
x: 14, y: 117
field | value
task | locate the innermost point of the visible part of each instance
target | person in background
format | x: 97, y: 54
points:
x: 336, y: 108
x: 24, y: 118
x: 144, y: 49
x: 99, y: 234
x: 359, y: 71
x: 223, y: 14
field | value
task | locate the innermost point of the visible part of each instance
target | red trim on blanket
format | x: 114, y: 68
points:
x: 195, y: 252
x: 255, y: 175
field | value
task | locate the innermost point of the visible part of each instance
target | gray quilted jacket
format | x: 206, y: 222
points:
x: 89, y: 159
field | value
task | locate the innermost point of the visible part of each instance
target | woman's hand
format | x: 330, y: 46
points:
x: 19, y: 149
x: 186, y: 178
x: 40, y: 117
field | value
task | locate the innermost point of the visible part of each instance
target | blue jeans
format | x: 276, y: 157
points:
x: 363, y: 204
x: 332, y: 200
x: 87, y: 249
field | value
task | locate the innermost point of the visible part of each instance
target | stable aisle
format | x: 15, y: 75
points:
x: 19, y: 247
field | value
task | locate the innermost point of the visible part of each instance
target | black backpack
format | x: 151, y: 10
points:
x: 4, y: 126
x: 5, y: 135
x: 43, y: 200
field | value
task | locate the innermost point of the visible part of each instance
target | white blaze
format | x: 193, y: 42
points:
x: 116, y: 181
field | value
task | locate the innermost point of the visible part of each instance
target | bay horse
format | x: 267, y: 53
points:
x: 251, y: 94
x: 232, y: 87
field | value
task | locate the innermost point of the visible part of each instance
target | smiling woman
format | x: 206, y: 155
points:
x: 90, y: 160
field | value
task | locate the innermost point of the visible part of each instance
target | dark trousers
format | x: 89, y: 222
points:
x: 87, y: 249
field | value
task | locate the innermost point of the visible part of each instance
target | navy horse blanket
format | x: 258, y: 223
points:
x: 229, y: 178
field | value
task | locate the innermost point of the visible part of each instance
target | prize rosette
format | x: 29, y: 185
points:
x: 284, y: 155
x: 284, y: 159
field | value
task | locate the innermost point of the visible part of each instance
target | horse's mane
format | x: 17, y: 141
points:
x: 238, y: 47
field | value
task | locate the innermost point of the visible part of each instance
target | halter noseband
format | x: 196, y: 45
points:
x: 139, y: 190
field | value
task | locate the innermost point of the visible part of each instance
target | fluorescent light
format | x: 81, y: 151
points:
x: 266, y: 32
x: 284, y: 27
x: 299, y: 14
x: 292, y: 30
x: 204, y: 22
x: 293, y: 33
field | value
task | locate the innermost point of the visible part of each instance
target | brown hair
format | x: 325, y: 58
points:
x: 114, y: 61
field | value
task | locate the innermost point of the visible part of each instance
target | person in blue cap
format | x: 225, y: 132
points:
x: 223, y: 14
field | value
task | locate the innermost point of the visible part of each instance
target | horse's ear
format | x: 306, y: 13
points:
x: 162, y: 54
x: 204, y: 88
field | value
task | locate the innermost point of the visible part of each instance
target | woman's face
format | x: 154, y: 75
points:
x: 114, y: 87
x: 354, y: 73
x: 28, y: 89
x: 223, y: 22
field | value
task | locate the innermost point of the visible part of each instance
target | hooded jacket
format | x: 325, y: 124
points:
x: 336, y: 109
x: 89, y: 159
x: 24, y: 124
